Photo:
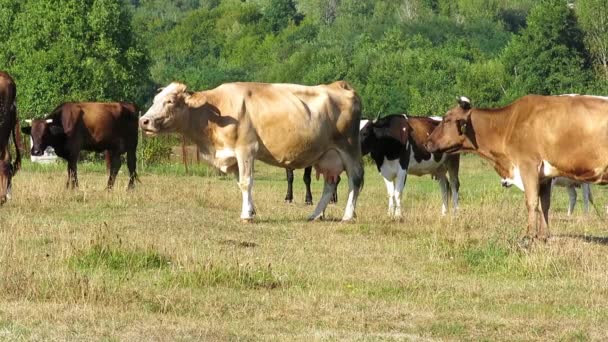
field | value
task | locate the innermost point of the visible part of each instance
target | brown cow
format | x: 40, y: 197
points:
x: 286, y: 125
x: 531, y: 141
x: 9, y: 125
x: 90, y: 126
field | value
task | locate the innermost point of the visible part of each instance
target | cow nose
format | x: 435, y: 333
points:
x: 429, y: 146
x: 2, y: 200
x: 144, y: 122
x: 36, y: 152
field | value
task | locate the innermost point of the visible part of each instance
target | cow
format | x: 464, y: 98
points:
x: 90, y: 126
x: 9, y: 126
x: 531, y: 141
x: 395, y: 143
x: 307, y: 179
x: 285, y: 125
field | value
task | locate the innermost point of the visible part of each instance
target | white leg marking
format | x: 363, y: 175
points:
x: 399, y: 186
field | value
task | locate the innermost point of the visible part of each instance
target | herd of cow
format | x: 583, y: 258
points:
x: 530, y: 142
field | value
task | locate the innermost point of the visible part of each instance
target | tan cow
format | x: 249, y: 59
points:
x: 531, y: 141
x: 285, y: 125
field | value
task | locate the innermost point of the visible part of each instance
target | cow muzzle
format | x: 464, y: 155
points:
x: 149, y: 126
x: 36, y: 152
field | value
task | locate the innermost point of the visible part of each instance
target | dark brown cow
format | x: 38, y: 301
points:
x: 9, y: 125
x: 90, y: 126
x: 531, y: 141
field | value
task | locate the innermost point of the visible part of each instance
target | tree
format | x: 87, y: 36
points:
x: 593, y: 16
x: 75, y: 50
x: 279, y: 13
x: 549, y: 56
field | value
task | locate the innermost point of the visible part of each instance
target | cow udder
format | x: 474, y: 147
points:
x: 330, y: 166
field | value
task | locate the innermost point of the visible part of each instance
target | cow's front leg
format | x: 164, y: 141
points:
x: 289, y: 195
x: 531, y: 190
x: 399, y: 186
x: 245, y: 163
x: 443, y: 185
x: 390, y: 192
x: 307, y: 180
x: 72, y: 174
x: 115, y: 164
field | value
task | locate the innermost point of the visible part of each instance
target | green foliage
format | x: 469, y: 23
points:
x: 153, y: 151
x: 73, y: 51
x: 549, y: 56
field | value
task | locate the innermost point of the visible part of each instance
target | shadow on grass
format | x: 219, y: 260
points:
x: 600, y: 240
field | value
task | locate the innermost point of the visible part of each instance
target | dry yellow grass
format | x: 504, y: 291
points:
x: 171, y: 261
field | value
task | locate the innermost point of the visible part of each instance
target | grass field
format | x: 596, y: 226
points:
x: 171, y: 261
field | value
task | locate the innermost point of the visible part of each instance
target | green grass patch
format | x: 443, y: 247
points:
x: 245, y: 276
x: 118, y: 259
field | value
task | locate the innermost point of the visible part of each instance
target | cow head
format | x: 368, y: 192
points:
x: 6, y: 174
x: 44, y: 132
x: 392, y: 128
x: 452, y: 133
x: 167, y: 111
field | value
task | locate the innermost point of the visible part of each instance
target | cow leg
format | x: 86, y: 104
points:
x: 355, y: 172
x: 334, y: 197
x: 328, y: 189
x: 531, y: 192
x: 390, y: 191
x: 115, y: 163
x: 571, y: 198
x: 586, y: 196
x: 453, y: 164
x: 132, y: 165
x: 443, y: 185
x: 72, y: 173
x: 307, y: 180
x: 399, y: 186
x: 545, y: 203
x: 289, y: 195
x: 245, y: 164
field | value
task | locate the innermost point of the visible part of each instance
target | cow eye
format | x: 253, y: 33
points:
x: 169, y: 102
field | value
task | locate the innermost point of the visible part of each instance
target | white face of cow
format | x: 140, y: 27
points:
x: 164, y: 115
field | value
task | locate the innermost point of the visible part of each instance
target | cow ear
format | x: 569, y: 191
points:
x: 26, y: 130
x: 464, y: 102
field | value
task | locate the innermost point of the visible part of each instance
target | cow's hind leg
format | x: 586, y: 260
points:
x: 115, y: 163
x: 132, y: 165
x: 355, y: 172
x: 445, y: 194
x: 245, y: 166
x: 334, y: 197
x: 328, y: 189
x: 289, y: 195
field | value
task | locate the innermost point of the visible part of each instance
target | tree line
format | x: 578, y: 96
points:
x: 412, y: 56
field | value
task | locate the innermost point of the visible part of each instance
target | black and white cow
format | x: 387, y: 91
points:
x: 396, y: 144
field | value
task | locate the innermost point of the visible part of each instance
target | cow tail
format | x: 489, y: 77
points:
x: 18, y: 145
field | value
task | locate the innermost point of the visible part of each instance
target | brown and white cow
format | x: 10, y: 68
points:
x: 9, y: 126
x: 531, y: 141
x: 90, y: 126
x: 286, y: 125
x: 396, y: 144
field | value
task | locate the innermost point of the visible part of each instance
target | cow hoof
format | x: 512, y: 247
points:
x: 247, y: 220
x: 312, y: 218
x: 308, y: 203
x: 287, y: 200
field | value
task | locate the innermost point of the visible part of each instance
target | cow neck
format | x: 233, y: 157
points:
x: 490, y: 129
